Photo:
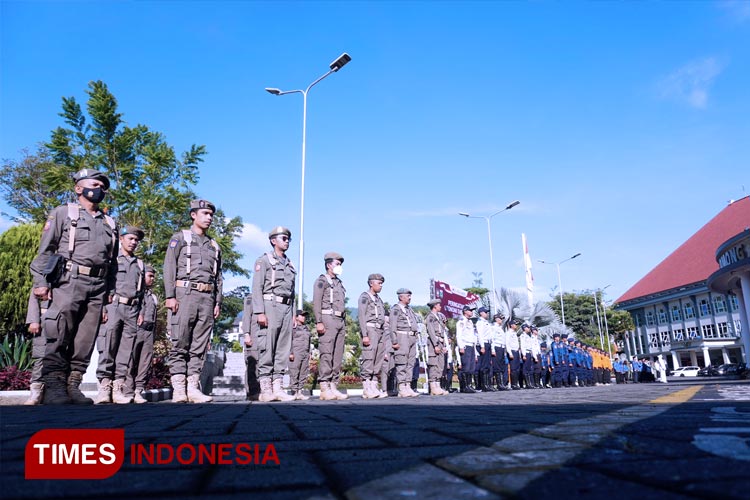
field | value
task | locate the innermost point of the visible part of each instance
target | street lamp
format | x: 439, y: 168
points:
x: 559, y: 282
x: 606, y: 326
x: 489, y: 238
x: 336, y: 65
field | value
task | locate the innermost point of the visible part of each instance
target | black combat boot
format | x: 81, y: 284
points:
x: 488, y: 382
x: 514, y: 381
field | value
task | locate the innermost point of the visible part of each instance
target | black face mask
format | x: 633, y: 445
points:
x: 94, y: 195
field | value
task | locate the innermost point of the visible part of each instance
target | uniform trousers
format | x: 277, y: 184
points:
x: 275, y: 340
x: 331, y: 346
x: 116, y: 340
x: 468, y: 360
x: 71, y: 323
x: 191, y: 331
x: 500, y: 365
x: 299, y: 369
x: 374, y: 354
x: 405, y: 357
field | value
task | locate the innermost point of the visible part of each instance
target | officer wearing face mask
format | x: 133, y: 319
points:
x: 329, y: 295
x: 75, y: 269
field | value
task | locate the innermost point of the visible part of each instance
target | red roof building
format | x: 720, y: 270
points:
x: 676, y: 308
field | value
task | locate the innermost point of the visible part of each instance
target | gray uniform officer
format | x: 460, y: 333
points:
x: 371, y: 312
x: 435, y: 347
x: 143, y: 347
x: 250, y: 342
x: 299, y: 358
x: 273, y: 298
x: 34, y: 313
x: 404, y: 328
x: 77, y: 263
x: 329, y: 296
x: 117, y: 337
x: 192, y: 287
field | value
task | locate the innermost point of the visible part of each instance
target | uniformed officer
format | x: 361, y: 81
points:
x: 466, y: 340
x: 448, y: 357
x: 299, y: 358
x: 537, y: 356
x: 637, y: 367
x: 77, y: 262
x: 512, y: 347
x: 329, y: 296
x: 559, y: 362
x: 572, y: 361
x: 250, y: 345
x: 371, y: 315
x: 527, y: 354
x: 484, y: 335
x: 435, y: 348
x: 117, y: 337
x: 545, y: 365
x: 273, y: 299
x: 34, y: 314
x: 143, y: 348
x: 499, y: 358
x: 193, y: 289
x: 404, y: 329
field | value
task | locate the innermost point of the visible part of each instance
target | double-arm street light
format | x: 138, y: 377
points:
x: 489, y: 238
x: 336, y: 65
x: 559, y: 281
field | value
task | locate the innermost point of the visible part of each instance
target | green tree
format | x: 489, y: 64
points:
x: 152, y: 184
x: 231, y: 305
x: 18, y: 247
x: 483, y: 293
x: 580, y: 315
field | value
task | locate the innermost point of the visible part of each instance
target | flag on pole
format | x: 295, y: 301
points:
x: 527, y: 265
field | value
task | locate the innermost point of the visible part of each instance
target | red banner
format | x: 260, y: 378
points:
x: 453, y: 300
x: 75, y: 453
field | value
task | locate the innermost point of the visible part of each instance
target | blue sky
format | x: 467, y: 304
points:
x: 621, y: 127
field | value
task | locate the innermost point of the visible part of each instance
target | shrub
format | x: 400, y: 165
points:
x: 13, y: 379
x: 236, y: 346
x: 158, y: 375
x: 16, y: 351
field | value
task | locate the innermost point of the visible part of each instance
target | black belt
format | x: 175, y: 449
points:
x: 94, y: 271
x: 148, y: 326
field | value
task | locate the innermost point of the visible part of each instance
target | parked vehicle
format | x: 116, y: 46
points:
x: 688, y: 371
x: 727, y: 369
x: 708, y: 371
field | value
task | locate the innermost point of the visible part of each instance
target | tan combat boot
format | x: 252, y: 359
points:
x: 74, y: 391
x: 279, y: 394
x: 336, y: 392
x: 37, y: 392
x: 266, y: 390
x: 325, y: 392
x: 403, y: 392
x: 194, y: 393
x: 118, y: 396
x: 178, y: 389
x: 367, y: 392
x: 435, y: 389
x: 138, y: 398
x: 301, y: 397
x: 105, y: 392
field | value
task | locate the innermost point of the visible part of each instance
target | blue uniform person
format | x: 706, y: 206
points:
x: 572, y: 361
x: 466, y: 339
x: 559, y: 361
x: 546, y: 365
x: 637, y: 367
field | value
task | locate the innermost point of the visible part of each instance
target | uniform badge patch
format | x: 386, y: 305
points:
x: 257, y: 267
x: 173, y: 243
x: 47, y: 225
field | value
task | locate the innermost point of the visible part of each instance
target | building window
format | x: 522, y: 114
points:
x: 692, y: 332
x: 723, y: 330
x: 679, y: 335
x: 709, y: 332
x: 737, y: 328
x: 689, y: 313
x: 653, y: 341
x: 662, y: 316
x: 650, y: 318
x: 664, y: 337
x: 720, y: 306
x: 676, y: 313
x: 734, y: 304
x: 705, y: 308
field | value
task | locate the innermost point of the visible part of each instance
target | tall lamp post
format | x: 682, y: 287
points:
x: 336, y: 65
x: 489, y: 238
x: 606, y: 326
x: 559, y: 281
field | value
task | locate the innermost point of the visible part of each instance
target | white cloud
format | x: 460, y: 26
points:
x: 253, y: 239
x: 691, y: 83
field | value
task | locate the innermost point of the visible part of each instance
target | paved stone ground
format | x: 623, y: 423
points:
x: 687, y: 439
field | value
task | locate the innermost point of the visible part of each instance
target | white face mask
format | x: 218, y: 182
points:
x: 337, y: 270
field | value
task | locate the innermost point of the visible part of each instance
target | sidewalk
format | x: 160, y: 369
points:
x: 628, y: 441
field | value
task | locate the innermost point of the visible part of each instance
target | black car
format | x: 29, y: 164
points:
x: 727, y: 369
x: 708, y: 371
